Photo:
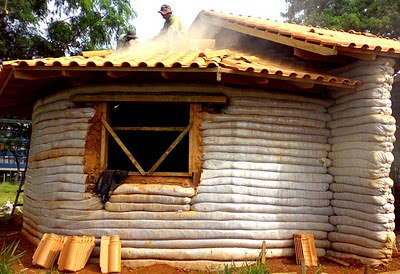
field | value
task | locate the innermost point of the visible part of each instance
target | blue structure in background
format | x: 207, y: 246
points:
x: 8, y: 166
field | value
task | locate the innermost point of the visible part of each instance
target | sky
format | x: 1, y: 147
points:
x: 149, y: 22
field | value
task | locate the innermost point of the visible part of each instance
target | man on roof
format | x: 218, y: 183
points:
x: 173, y: 26
x: 127, y: 40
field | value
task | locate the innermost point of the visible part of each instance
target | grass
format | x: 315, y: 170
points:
x: 8, y: 256
x: 8, y: 192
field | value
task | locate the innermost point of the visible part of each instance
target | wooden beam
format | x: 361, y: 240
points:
x: 164, y: 174
x: 104, y: 138
x: 359, y: 55
x: 288, y: 41
x: 10, y: 74
x: 123, y: 147
x: 195, y: 142
x: 168, y: 151
x: 117, y: 74
x: 149, y: 128
x: 302, y: 85
x: 36, y: 75
x: 307, y: 55
x: 216, y: 99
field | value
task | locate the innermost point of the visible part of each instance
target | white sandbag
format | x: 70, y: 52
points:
x: 263, y: 192
x: 61, y: 161
x: 229, y: 207
x: 368, y: 208
x: 367, y: 70
x: 249, y: 149
x: 273, y: 176
x: 59, y: 137
x: 366, y: 119
x: 279, y: 95
x: 370, y: 146
x: 362, y: 137
x: 369, y: 183
x: 32, y: 239
x: 276, y: 120
x: 264, y: 184
x: 381, y: 236
x: 360, y: 172
x: 339, y: 187
x: 381, y: 92
x: 57, y: 196
x: 228, y: 140
x: 73, y: 169
x: 79, y: 179
x: 359, y: 163
x: 67, y: 113
x: 364, y: 260
x: 375, y: 218
x: 213, y: 243
x: 57, y: 145
x: 379, y: 78
x: 88, y: 204
x: 145, y: 207
x: 156, y: 199
x: 362, y: 251
x: 59, y: 105
x: 374, y: 200
x: 373, y: 128
x: 58, y: 122
x: 60, y: 129
x: 371, y: 156
x: 266, y: 103
x: 288, y: 112
x: 357, y: 240
x: 350, y: 221
x: 373, y: 85
x: 361, y: 111
x: 252, y: 162
x: 360, y: 104
x: 55, y: 187
x: 155, y: 189
x: 181, y: 224
x: 249, y: 133
x: 265, y: 127
x: 217, y: 254
x: 255, y: 200
x: 57, y: 153
x: 79, y: 215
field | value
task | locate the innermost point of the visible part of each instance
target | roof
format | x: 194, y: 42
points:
x: 314, y: 39
x: 30, y: 77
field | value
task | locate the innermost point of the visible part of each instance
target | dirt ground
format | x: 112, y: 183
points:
x: 10, y: 233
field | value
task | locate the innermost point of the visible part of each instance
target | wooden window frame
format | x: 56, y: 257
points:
x: 194, y: 145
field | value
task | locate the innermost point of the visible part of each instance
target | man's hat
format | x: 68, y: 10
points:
x: 131, y: 34
x: 165, y: 9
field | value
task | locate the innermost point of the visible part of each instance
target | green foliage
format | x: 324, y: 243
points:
x: 53, y: 28
x: 256, y: 267
x: 8, y: 256
x: 380, y: 17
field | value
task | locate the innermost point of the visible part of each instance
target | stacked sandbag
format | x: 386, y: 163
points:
x: 266, y: 154
x: 55, y: 177
x: 150, y: 197
x: 362, y: 139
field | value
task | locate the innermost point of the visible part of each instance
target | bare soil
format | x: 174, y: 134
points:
x: 11, y: 232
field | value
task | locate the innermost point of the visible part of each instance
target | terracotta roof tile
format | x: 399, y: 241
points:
x: 324, y: 37
x: 162, y: 59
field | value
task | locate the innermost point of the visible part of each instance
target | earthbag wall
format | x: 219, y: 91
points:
x: 362, y: 139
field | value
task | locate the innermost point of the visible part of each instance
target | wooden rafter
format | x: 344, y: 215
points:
x: 150, y: 128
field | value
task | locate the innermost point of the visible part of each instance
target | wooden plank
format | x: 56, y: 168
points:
x: 162, y: 174
x: 155, y: 179
x: 196, y: 144
x: 359, y: 55
x: 149, y: 128
x: 123, y: 147
x: 263, y: 252
x: 333, y: 259
x: 104, y: 138
x: 35, y: 75
x: 289, y: 41
x: 168, y: 151
x: 217, y: 99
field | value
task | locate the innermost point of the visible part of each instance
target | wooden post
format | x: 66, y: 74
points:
x: 104, y: 138
x: 263, y: 252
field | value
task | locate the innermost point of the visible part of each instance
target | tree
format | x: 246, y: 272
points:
x: 14, y: 138
x: 380, y: 17
x: 54, y: 28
